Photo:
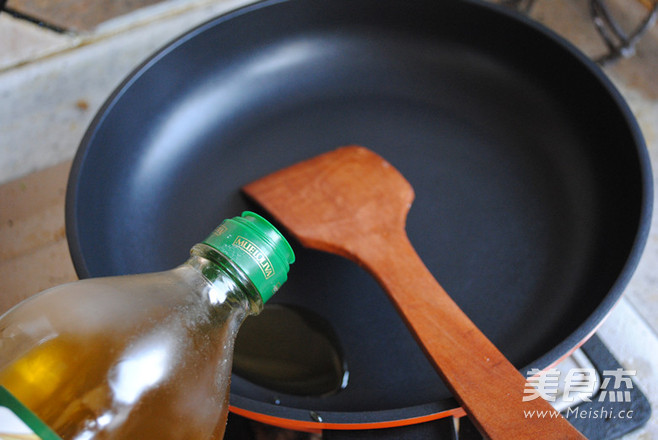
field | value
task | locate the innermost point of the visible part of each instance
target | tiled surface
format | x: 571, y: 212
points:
x: 51, y: 85
x: 33, y: 250
x: 22, y: 41
x: 76, y: 15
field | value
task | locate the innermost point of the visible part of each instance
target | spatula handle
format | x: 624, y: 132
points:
x: 486, y: 384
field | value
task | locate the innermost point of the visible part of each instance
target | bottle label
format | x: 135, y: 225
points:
x: 259, y: 257
x: 18, y: 422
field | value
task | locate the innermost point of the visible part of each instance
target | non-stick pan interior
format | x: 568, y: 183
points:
x: 529, y: 174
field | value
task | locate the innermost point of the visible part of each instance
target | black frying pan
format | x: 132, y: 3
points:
x: 532, y: 179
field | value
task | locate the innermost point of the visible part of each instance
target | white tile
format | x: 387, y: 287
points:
x: 22, y: 41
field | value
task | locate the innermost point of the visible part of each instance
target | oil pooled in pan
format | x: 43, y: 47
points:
x: 290, y: 350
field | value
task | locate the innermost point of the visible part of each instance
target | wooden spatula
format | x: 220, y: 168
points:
x: 353, y: 203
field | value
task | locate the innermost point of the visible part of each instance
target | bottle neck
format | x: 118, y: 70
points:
x: 228, y: 282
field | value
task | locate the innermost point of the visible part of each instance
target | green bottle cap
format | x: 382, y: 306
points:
x: 258, y: 248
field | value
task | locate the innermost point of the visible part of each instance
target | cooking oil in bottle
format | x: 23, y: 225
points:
x: 142, y: 356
